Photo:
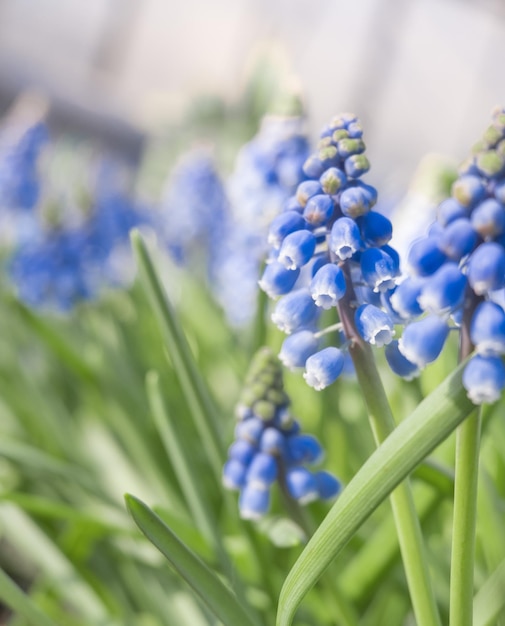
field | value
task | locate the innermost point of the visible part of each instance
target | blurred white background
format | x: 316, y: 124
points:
x: 422, y: 74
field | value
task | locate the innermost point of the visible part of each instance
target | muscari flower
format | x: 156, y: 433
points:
x: 20, y: 150
x: 73, y: 260
x: 267, y: 171
x: 462, y: 262
x: 330, y: 233
x: 269, y: 448
x: 194, y: 209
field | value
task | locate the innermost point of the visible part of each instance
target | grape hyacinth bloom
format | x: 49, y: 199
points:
x: 267, y: 171
x: 194, y: 208
x: 269, y: 447
x: 462, y: 262
x: 74, y: 259
x: 20, y: 149
x: 330, y: 233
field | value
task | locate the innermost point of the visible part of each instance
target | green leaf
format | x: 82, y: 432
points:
x: 489, y: 602
x: 204, y: 582
x: 31, y: 458
x: 194, y: 495
x: 21, y: 603
x: 433, y: 420
x: 195, y: 390
x: 66, y: 581
x: 55, y: 510
x: 56, y: 342
x: 380, y: 552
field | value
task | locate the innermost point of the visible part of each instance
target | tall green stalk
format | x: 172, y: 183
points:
x: 465, y: 499
x: 463, y: 530
x: 402, y: 503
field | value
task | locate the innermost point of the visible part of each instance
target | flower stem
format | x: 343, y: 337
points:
x: 402, y: 503
x: 463, y: 532
x: 465, y: 499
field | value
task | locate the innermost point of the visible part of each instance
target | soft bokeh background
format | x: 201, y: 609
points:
x: 422, y: 74
x: 90, y: 405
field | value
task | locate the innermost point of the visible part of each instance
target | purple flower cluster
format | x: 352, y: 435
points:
x: 328, y: 244
x: 457, y: 274
x: 269, y: 447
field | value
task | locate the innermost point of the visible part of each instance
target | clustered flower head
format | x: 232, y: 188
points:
x: 194, y: 209
x: 457, y: 274
x: 328, y: 244
x: 267, y: 171
x: 20, y: 150
x: 269, y: 446
x: 70, y: 215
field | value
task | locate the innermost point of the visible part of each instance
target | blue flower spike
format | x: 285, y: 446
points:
x: 269, y: 448
x: 343, y: 254
x: 461, y: 263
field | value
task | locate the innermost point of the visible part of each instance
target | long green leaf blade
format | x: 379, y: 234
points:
x: 433, y: 420
x: 205, y: 583
x: 194, y: 495
x: 196, y: 392
x: 489, y: 602
x: 21, y: 603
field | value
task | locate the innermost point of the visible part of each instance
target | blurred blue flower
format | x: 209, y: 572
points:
x: 269, y: 447
x: 267, y: 171
x: 20, y: 149
x: 194, y: 209
x: 77, y: 250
